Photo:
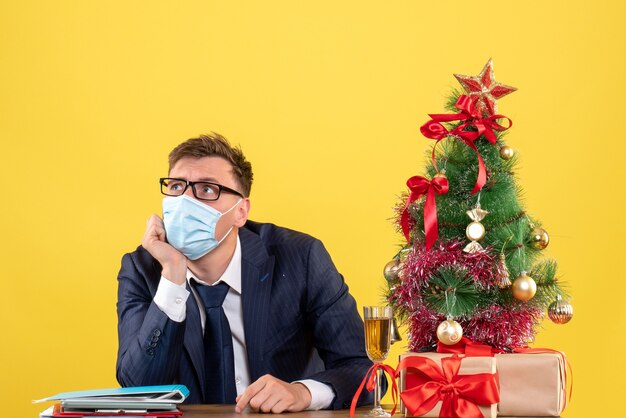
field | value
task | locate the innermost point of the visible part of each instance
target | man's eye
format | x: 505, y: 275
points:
x: 175, y: 186
x: 207, y: 190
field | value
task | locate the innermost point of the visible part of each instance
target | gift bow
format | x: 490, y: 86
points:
x: 471, y: 117
x: 468, y: 347
x: 369, y: 382
x: 460, y: 394
x: 473, y: 349
x: 420, y: 186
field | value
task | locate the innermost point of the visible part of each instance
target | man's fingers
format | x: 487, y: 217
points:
x: 269, y: 394
x: 268, y: 404
x: 259, y: 398
x: 155, y: 228
x: 244, y: 398
x: 153, y: 220
x: 280, y: 407
x: 160, y: 232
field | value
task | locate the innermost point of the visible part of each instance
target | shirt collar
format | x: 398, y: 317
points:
x: 232, y: 274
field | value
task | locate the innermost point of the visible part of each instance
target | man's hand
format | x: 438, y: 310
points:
x: 269, y: 394
x: 174, y: 263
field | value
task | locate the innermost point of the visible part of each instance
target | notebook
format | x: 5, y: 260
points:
x: 138, y: 399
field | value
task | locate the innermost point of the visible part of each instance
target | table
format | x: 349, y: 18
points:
x: 199, y: 411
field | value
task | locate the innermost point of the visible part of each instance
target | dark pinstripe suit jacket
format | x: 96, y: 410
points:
x: 299, y: 319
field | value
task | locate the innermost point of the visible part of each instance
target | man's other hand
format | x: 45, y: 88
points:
x: 269, y: 394
x: 174, y: 263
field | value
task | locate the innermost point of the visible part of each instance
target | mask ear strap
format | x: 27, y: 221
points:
x: 233, y: 207
x: 224, y: 237
x: 231, y: 228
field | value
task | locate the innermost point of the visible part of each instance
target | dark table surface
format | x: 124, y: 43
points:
x: 198, y: 411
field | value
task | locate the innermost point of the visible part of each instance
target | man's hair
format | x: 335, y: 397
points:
x: 215, y: 145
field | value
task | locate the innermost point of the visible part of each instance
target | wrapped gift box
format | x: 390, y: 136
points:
x: 469, y: 366
x: 531, y: 384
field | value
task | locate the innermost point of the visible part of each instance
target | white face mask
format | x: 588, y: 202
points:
x: 190, y: 225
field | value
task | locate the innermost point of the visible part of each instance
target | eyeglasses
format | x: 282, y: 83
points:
x: 203, y: 190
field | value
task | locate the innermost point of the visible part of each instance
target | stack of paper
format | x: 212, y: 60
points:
x: 142, y: 401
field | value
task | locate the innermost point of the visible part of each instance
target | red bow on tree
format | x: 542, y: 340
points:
x: 460, y: 394
x: 468, y: 114
x: 420, y: 186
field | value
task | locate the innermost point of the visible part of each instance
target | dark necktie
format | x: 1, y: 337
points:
x: 218, y: 346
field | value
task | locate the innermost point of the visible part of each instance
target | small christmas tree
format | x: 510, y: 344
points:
x: 471, y: 263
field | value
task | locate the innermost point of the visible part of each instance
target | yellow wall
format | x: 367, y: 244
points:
x: 326, y: 99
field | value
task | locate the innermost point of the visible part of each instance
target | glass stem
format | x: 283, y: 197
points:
x: 379, y: 375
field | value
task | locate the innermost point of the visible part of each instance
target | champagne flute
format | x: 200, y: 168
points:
x: 377, y: 321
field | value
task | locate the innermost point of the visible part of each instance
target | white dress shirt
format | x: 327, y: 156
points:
x: 172, y: 299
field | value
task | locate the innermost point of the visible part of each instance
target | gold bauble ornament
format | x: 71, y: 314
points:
x: 524, y: 287
x: 449, y: 332
x: 506, y: 152
x: 560, y: 311
x: 440, y: 176
x: 391, y: 270
x: 539, y: 238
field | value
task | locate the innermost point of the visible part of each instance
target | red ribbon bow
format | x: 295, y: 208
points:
x: 468, y: 347
x: 369, y: 382
x: 460, y: 394
x: 420, y: 186
x: 473, y: 349
x: 472, y: 117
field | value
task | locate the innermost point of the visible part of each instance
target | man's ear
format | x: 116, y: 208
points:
x: 241, y: 212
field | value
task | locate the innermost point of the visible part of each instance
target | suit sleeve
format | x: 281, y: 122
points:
x: 150, y: 344
x: 337, y: 327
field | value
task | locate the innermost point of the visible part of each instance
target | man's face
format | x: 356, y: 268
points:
x: 216, y: 170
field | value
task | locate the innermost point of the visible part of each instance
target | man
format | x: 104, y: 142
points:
x: 283, y: 334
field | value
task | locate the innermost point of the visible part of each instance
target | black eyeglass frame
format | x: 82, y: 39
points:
x: 220, y: 188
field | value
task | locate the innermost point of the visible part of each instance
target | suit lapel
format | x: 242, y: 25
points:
x: 257, y: 268
x: 194, y: 341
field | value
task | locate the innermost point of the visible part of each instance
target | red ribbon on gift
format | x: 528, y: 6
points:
x: 472, y: 117
x: 420, y: 186
x: 460, y: 394
x: 369, y: 382
x: 474, y: 349
x: 468, y: 347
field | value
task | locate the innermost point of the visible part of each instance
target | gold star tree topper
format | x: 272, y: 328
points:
x: 484, y: 90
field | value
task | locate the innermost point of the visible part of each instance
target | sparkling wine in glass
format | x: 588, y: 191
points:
x: 377, y: 321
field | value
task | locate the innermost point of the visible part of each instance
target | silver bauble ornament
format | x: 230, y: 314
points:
x: 560, y: 311
x: 391, y: 270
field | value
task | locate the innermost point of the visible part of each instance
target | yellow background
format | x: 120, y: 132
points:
x: 326, y: 99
